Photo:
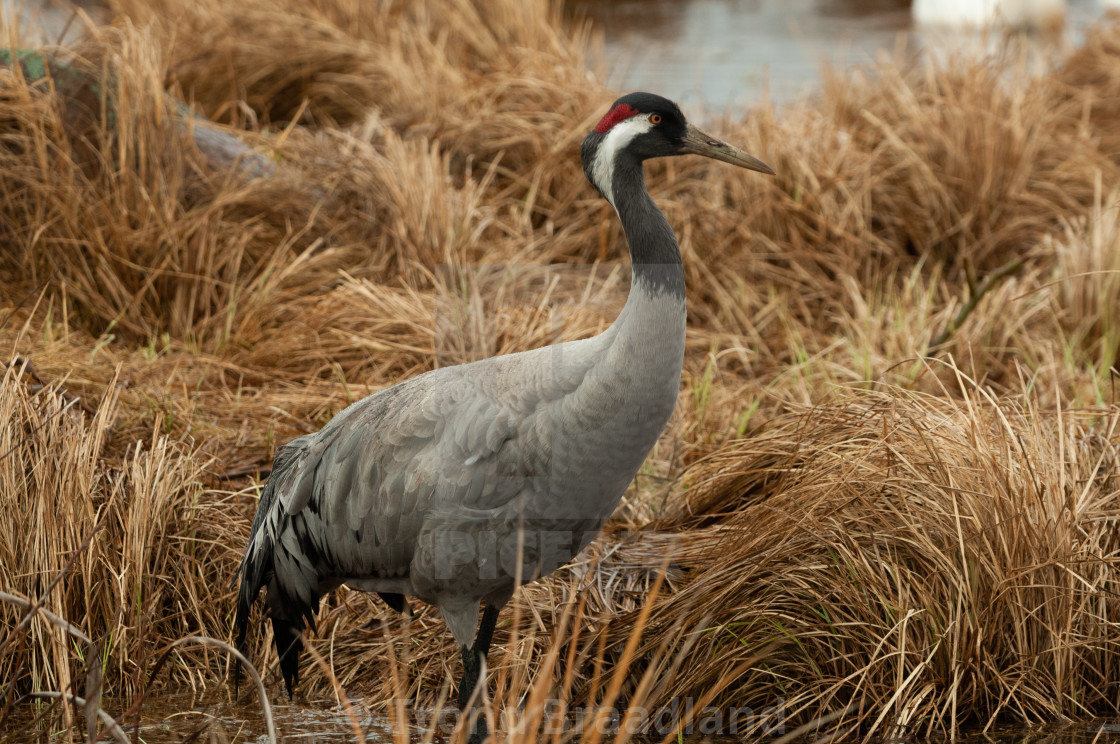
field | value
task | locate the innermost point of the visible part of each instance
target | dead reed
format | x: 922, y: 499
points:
x: 887, y: 503
x: 932, y: 554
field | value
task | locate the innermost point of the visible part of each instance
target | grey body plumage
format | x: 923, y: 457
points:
x: 451, y: 485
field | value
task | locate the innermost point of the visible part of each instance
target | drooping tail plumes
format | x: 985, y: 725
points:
x: 258, y: 569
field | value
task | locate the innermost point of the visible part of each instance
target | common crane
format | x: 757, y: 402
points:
x: 458, y: 484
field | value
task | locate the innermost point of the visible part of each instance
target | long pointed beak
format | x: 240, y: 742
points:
x: 698, y: 143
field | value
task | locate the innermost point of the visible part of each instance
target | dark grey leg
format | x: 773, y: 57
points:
x: 472, y: 668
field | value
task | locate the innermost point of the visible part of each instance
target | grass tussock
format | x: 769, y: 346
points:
x: 886, y: 503
x: 933, y: 554
x: 121, y: 528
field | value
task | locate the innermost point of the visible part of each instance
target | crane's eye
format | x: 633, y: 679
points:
x: 655, y: 118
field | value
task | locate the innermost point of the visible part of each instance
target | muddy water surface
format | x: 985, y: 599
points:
x: 733, y: 53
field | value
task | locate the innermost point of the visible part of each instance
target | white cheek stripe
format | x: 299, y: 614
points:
x: 620, y: 135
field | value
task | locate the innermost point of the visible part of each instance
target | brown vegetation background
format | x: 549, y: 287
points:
x: 888, y: 496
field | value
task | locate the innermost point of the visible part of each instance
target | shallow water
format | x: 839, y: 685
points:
x: 177, y: 717
x: 731, y: 54
x: 171, y: 718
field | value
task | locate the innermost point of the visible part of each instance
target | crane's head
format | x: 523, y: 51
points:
x: 640, y: 126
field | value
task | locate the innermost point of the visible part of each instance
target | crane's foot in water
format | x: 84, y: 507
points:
x: 480, y: 731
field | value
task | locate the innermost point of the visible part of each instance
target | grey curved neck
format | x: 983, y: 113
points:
x: 649, y: 332
x: 640, y: 371
x: 654, y: 254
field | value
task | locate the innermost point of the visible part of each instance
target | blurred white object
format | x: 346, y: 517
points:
x: 1046, y: 15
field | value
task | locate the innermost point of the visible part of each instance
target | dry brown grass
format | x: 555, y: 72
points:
x: 914, y: 557
x: 886, y: 536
